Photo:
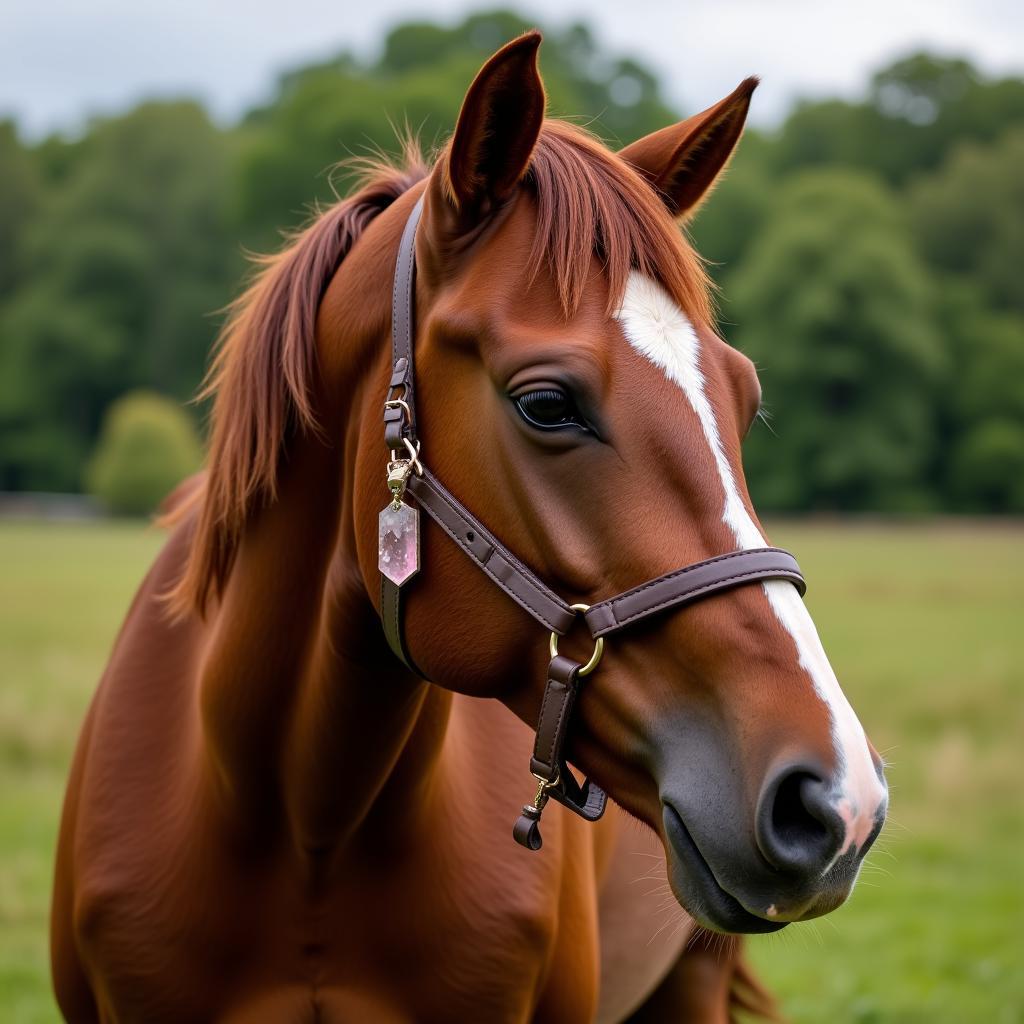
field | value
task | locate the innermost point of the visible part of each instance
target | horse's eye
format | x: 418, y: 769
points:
x: 549, y: 409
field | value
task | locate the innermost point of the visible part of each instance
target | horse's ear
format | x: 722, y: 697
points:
x: 683, y: 161
x: 497, y: 129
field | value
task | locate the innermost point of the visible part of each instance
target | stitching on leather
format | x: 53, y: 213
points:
x: 438, y: 492
x: 403, y: 289
x: 392, y: 621
x: 612, y: 601
x: 397, y: 625
x: 784, y: 574
x: 521, y: 601
x: 385, y: 610
x: 540, y: 722
x: 467, y: 517
x: 569, y: 687
x: 746, y: 552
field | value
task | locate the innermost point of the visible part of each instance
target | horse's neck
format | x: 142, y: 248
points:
x: 366, y: 733
x: 307, y: 716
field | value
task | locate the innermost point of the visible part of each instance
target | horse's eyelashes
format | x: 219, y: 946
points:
x: 549, y: 409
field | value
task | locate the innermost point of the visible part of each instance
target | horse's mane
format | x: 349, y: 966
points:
x: 589, y: 202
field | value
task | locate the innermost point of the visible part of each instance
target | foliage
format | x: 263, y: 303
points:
x: 146, y: 447
x: 342, y: 107
x: 968, y: 218
x: 122, y: 265
x: 890, y: 334
x: 987, y: 466
x: 729, y: 221
x: 835, y: 310
x: 916, y: 111
x: 976, y: 467
x: 19, y: 202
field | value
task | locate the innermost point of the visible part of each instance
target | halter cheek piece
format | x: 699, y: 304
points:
x: 399, y: 560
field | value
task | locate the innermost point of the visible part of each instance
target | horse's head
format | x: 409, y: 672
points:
x: 573, y: 394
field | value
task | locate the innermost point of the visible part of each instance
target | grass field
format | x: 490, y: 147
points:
x: 925, y: 625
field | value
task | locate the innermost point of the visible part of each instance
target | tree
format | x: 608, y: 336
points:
x: 968, y: 218
x: 987, y: 467
x: 124, y: 264
x: 325, y: 112
x: 58, y: 372
x: 20, y: 197
x: 834, y: 307
x: 869, y: 251
x: 147, y: 446
x: 980, y: 465
x: 916, y: 110
x: 728, y: 222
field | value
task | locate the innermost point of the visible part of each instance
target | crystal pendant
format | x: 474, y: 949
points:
x: 398, y: 542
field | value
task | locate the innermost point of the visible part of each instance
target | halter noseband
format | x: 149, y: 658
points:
x: 399, y: 561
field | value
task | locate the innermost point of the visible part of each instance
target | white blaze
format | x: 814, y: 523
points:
x: 659, y: 330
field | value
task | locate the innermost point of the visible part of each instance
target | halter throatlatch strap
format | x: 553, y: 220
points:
x: 673, y: 590
x: 548, y: 765
x: 400, y: 417
x: 400, y: 421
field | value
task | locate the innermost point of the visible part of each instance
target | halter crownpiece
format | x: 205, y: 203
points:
x: 399, y: 560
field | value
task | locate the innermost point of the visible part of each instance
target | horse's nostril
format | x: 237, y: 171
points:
x: 798, y: 828
x: 793, y: 813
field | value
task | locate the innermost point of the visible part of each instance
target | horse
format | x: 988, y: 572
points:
x: 271, y: 817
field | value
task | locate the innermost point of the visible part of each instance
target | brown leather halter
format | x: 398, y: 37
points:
x: 407, y: 475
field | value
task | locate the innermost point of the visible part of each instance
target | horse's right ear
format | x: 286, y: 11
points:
x: 684, y: 161
x: 497, y: 129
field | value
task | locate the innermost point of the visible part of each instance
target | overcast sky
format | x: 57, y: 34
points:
x: 61, y: 60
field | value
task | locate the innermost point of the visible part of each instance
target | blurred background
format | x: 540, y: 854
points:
x: 869, y: 244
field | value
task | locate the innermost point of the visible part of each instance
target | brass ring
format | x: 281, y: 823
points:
x: 595, y: 657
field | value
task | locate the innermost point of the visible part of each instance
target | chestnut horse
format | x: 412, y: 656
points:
x: 269, y: 818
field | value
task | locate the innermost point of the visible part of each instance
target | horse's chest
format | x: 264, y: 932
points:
x: 428, y: 938
x: 457, y: 939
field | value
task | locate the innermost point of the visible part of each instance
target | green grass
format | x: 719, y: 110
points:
x: 63, y: 592
x: 925, y: 625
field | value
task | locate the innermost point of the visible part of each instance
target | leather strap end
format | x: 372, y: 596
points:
x: 597, y: 801
x: 399, y: 374
x: 394, y: 429
x: 526, y: 831
x: 391, y: 619
x: 588, y: 801
x: 553, y: 720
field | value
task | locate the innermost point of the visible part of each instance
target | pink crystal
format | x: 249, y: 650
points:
x: 398, y: 542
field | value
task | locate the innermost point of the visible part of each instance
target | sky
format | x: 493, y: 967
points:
x: 62, y: 61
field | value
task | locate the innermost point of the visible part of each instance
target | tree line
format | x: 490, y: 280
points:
x: 869, y: 253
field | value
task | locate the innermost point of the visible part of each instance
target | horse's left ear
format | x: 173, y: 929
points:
x: 497, y: 129
x: 683, y: 161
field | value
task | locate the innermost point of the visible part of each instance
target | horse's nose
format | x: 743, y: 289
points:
x: 798, y: 826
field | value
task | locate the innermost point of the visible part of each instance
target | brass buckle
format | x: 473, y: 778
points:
x: 413, y: 449
x: 399, y: 403
x: 595, y: 657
